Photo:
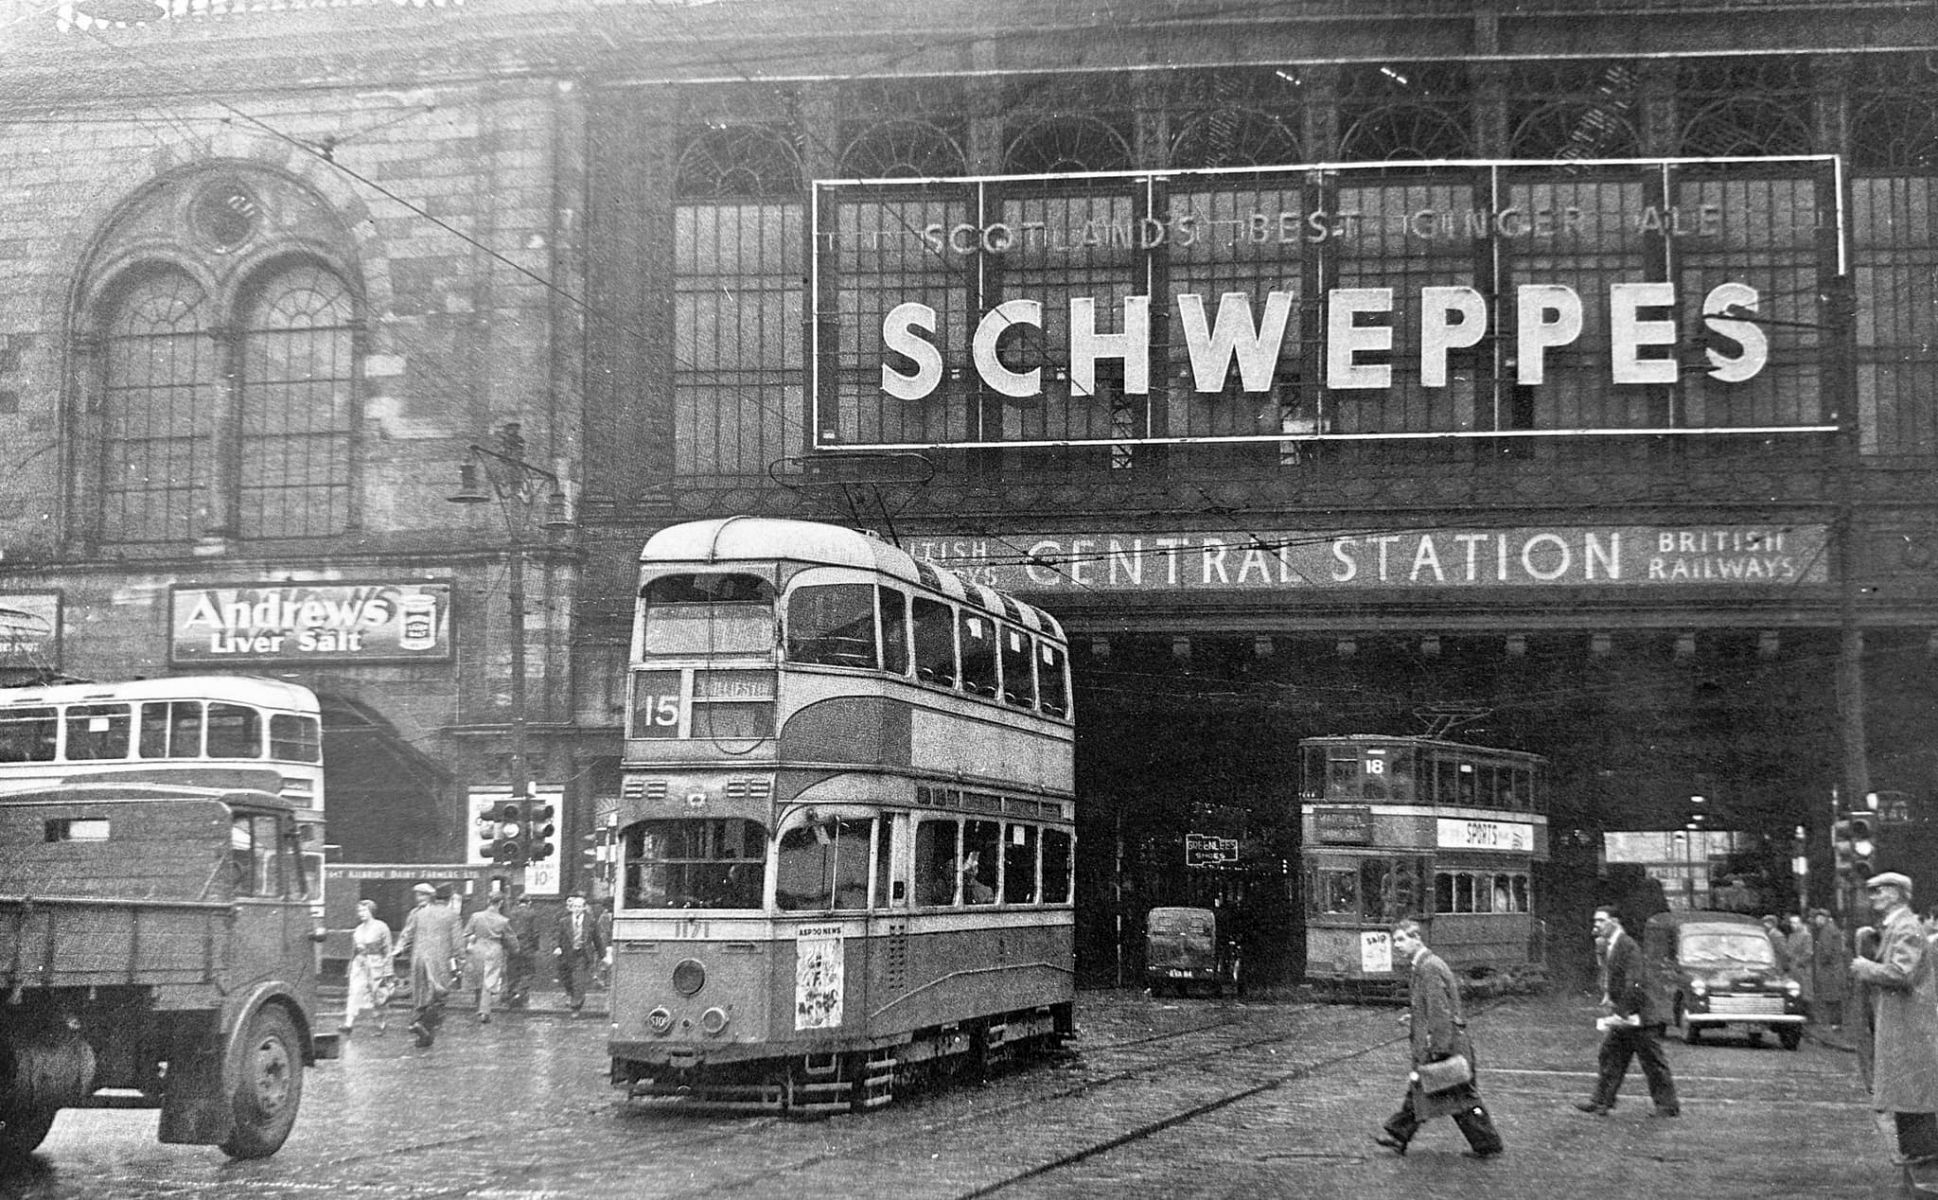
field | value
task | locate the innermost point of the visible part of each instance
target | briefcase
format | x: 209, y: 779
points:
x: 1445, y: 1074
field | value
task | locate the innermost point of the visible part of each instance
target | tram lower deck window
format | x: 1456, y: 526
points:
x: 1480, y: 892
x: 823, y: 865
x: 697, y: 863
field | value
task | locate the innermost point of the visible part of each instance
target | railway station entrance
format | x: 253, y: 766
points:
x: 1188, y: 765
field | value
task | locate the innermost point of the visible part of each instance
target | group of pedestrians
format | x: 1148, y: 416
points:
x: 1894, y: 1013
x: 495, y: 950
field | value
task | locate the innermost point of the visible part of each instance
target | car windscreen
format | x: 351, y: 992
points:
x: 1727, y: 948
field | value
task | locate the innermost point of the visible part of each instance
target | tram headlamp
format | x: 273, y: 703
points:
x: 660, y: 1020
x: 714, y: 1021
x: 689, y: 976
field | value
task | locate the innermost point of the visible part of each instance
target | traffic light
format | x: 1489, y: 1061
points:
x: 538, y: 832
x: 501, y: 832
x: 1854, y: 838
x: 597, y: 855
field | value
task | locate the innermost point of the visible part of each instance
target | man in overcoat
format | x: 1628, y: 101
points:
x: 1439, y: 1031
x: 431, y: 939
x: 1830, y: 968
x: 579, y: 947
x: 1632, y: 1027
x: 1903, y: 985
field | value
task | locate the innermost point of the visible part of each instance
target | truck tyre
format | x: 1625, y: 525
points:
x: 269, y: 1085
x: 24, y: 1127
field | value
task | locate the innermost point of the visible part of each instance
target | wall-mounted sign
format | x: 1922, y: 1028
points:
x: 310, y: 622
x: 1738, y: 557
x: 30, y: 631
x: 1459, y: 834
x: 1343, y: 825
x: 1474, y: 300
x: 1204, y: 850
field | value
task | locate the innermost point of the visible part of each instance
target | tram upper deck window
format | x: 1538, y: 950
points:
x: 935, y: 642
x: 707, y: 613
x: 978, y: 655
x: 824, y: 865
x: 894, y: 622
x: 1052, y: 686
x: 832, y: 625
x: 700, y: 862
x: 1019, y: 678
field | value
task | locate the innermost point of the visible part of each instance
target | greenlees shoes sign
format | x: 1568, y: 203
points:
x: 360, y: 622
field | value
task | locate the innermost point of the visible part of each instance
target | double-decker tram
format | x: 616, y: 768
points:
x: 1407, y: 826
x: 846, y: 831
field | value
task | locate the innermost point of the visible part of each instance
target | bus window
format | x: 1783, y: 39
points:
x: 894, y: 625
x: 935, y: 862
x: 824, y: 865
x: 27, y: 734
x: 702, y: 862
x: 98, y: 731
x: 981, y: 857
x: 235, y: 731
x: 1053, y: 689
x: 935, y: 642
x: 1056, y: 866
x: 707, y: 614
x: 978, y: 655
x: 832, y: 625
x: 1019, y: 865
x: 171, y: 729
x: 1019, y: 680
x: 295, y: 739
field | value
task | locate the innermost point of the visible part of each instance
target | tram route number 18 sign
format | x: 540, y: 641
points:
x: 1204, y: 850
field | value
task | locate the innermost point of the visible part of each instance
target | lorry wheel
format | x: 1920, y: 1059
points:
x: 269, y: 1085
x: 23, y: 1127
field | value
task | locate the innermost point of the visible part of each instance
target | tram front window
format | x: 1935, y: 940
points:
x: 694, y: 863
x: 824, y: 865
x: 707, y: 614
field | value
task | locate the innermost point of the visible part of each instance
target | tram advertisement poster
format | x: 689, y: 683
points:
x: 1375, y: 952
x: 1485, y: 835
x: 817, y: 977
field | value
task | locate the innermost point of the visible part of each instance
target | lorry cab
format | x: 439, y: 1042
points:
x: 1182, y: 949
x: 1713, y: 969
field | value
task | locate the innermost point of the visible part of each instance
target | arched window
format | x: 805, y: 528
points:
x: 158, y: 403
x: 225, y: 365
x: 297, y: 405
x: 1060, y: 145
x: 904, y: 149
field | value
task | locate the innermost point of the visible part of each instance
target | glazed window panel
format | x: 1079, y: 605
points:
x: 1334, y: 892
x: 694, y: 863
x: 893, y: 606
x: 832, y: 625
x: 1057, y: 847
x: 1019, y: 677
x: 935, y: 862
x: 98, y: 731
x: 29, y: 734
x: 298, y: 407
x: 978, y: 639
x: 935, y: 642
x: 235, y: 731
x: 1053, y: 685
x: 824, y: 865
x: 982, y: 849
x: 161, y: 392
x: 1019, y: 865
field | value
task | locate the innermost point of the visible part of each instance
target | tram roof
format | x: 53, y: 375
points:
x: 1400, y: 739
x: 771, y: 539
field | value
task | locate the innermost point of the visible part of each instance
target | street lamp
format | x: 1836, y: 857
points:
x: 503, y: 474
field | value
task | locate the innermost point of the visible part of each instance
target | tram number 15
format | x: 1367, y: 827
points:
x: 660, y: 711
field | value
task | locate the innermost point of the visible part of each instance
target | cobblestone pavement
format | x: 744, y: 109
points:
x: 1161, y: 1098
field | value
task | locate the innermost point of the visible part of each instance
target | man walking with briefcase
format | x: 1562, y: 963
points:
x: 1443, y: 1081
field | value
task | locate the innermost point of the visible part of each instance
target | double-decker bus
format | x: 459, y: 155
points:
x: 196, y: 730
x: 1407, y: 826
x: 846, y: 831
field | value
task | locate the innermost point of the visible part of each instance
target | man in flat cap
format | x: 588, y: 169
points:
x: 1903, y: 984
x: 431, y: 940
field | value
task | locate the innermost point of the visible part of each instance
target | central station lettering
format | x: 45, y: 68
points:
x: 1546, y: 316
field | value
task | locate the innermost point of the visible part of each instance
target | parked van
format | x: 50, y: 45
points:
x: 1711, y: 969
x: 1182, y: 948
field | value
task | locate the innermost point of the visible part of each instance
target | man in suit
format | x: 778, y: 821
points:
x: 1439, y: 1031
x: 579, y: 947
x: 1632, y: 1024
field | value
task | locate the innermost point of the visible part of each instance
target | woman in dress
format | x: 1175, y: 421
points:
x: 369, y: 967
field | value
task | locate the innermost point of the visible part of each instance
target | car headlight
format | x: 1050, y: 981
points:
x: 1698, y: 987
x: 1793, y: 988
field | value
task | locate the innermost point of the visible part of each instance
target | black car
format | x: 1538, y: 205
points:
x: 1711, y: 969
